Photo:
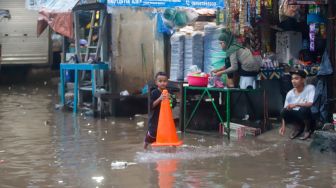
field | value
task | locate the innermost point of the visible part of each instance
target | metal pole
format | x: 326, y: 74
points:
x: 228, y: 113
x: 77, y: 37
x: 63, y: 49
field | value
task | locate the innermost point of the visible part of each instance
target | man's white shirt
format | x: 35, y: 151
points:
x: 307, y: 95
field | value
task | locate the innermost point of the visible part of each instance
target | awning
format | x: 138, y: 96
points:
x: 58, y: 15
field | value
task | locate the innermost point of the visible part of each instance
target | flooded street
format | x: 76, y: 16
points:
x: 41, y: 146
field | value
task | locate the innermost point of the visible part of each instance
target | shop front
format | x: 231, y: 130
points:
x: 282, y: 36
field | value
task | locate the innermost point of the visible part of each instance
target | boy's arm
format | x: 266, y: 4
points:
x: 157, y: 102
x: 159, y: 99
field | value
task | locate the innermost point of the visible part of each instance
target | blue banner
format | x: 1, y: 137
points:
x: 167, y: 3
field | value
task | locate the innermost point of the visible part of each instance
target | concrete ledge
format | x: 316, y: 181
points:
x: 324, y: 141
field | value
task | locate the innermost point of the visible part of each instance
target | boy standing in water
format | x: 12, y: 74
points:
x: 161, y: 81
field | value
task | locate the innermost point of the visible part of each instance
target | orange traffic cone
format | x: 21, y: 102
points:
x: 166, y: 170
x: 166, y: 131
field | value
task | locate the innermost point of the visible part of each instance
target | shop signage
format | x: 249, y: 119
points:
x: 167, y: 3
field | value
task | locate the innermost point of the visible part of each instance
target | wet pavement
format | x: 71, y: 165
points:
x: 41, y: 146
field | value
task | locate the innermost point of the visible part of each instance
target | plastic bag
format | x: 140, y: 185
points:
x: 181, y: 19
x: 163, y: 27
x: 192, y: 15
x: 169, y: 14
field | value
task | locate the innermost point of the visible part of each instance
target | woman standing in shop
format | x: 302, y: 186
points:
x: 240, y: 60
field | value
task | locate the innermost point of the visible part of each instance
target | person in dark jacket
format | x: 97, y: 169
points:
x: 320, y: 105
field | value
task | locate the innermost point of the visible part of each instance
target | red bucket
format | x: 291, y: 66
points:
x: 201, y: 81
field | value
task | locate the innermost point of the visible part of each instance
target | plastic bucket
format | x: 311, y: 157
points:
x: 198, y: 81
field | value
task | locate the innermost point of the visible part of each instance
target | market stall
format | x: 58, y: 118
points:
x: 80, y: 48
x: 293, y: 36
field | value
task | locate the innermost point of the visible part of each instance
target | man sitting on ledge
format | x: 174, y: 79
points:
x: 297, y: 106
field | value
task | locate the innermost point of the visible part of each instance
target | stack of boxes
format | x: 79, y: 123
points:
x: 239, y: 131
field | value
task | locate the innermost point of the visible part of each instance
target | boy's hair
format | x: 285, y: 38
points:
x: 161, y: 74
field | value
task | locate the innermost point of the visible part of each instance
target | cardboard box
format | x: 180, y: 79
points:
x: 239, y: 131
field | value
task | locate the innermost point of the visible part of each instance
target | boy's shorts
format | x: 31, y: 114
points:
x: 149, y: 139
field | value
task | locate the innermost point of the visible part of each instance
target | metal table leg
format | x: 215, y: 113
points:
x: 228, y: 115
x: 62, y: 86
x: 75, y: 92
x: 184, y: 108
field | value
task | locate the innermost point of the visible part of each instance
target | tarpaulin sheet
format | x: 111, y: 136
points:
x: 59, y: 22
x: 58, y: 15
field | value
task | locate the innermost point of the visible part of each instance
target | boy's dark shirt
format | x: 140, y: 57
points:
x: 154, y: 112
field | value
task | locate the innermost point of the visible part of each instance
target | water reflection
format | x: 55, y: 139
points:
x: 166, y: 170
x: 76, y: 152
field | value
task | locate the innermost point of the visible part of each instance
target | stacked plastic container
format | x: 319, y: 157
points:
x: 193, y: 52
x: 177, y: 56
x: 211, y: 45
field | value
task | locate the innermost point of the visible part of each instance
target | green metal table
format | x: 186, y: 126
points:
x: 205, y: 91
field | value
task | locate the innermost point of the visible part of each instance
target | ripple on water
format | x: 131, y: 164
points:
x: 194, y: 152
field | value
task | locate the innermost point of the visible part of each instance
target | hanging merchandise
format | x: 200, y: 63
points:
x: 181, y: 19
x: 161, y: 26
x: 268, y: 4
x: 242, y: 16
x: 252, y: 40
x: 312, y: 33
x: 169, y: 14
x: 288, y: 11
x: 323, y: 30
x: 174, y: 18
x: 236, y: 18
x: 248, y: 13
x: 228, y: 14
x: 258, y: 9
x: 254, y: 11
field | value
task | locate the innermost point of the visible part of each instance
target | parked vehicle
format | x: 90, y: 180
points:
x: 18, y: 39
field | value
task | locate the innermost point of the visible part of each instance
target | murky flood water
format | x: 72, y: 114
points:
x: 41, y: 146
